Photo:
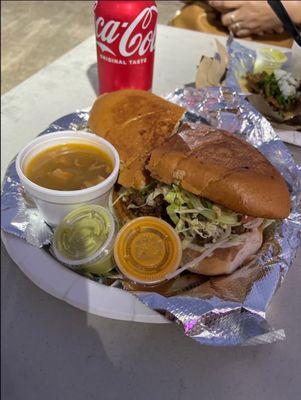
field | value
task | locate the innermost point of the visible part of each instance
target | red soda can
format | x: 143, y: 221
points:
x: 125, y: 42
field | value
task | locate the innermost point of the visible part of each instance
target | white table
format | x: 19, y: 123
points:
x: 54, y: 351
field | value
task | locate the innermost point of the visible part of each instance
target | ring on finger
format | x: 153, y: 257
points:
x: 243, y: 33
x: 236, y: 27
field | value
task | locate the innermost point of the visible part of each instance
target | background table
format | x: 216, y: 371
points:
x: 51, y: 350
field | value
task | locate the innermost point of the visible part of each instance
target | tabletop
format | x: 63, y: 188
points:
x: 51, y: 350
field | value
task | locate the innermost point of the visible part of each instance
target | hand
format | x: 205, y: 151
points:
x: 245, y: 18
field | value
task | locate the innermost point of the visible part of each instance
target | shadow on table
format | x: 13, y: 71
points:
x: 93, y: 77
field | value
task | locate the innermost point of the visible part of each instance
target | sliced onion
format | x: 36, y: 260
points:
x: 117, y: 199
x: 95, y: 167
x: 255, y: 223
x: 195, y: 247
x: 208, y: 250
x: 191, y: 264
x: 133, y: 206
x: 77, y: 163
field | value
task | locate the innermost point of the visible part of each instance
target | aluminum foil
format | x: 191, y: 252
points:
x: 231, y: 310
x: 225, y: 310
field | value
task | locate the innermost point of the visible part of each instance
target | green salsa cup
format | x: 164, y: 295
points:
x: 84, y: 240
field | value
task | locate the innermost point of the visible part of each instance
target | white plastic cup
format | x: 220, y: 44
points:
x: 101, y: 260
x: 268, y: 60
x: 54, y: 205
x: 296, y: 61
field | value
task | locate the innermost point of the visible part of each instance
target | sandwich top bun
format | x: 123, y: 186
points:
x: 223, y: 168
x: 135, y: 122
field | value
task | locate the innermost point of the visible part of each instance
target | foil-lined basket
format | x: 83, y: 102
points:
x: 223, y: 310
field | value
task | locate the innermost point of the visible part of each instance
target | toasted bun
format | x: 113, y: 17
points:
x: 135, y: 122
x: 223, y: 168
x: 227, y: 260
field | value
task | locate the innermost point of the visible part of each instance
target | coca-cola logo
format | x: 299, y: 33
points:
x: 136, y: 38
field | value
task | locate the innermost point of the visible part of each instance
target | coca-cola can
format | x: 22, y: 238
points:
x: 125, y: 42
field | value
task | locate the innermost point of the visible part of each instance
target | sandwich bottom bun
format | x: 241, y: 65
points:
x: 225, y: 261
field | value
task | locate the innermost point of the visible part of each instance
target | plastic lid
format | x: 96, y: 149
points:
x: 269, y: 59
x: 147, y: 249
x: 83, y: 235
x: 270, y: 54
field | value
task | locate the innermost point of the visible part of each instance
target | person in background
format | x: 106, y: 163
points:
x: 246, y: 18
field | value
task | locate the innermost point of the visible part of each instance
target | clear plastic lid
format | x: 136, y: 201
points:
x: 84, y: 235
x: 269, y: 59
x: 147, y: 249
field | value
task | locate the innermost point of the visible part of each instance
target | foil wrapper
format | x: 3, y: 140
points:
x: 231, y: 310
x: 241, y: 61
x: 223, y: 310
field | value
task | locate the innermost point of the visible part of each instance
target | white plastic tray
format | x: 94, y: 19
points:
x: 52, y: 277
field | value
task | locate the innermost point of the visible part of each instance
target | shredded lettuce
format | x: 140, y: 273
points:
x: 171, y: 211
x: 193, y: 215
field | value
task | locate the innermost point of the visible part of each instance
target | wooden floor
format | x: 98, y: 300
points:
x: 35, y: 33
